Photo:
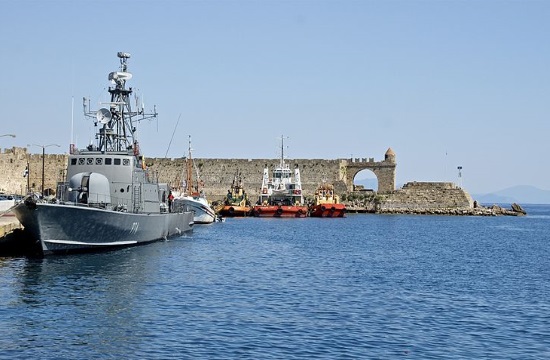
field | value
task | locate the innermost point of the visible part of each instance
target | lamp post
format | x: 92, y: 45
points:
x: 28, y: 175
x: 43, y: 161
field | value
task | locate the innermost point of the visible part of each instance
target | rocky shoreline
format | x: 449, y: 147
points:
x: 494, y: 210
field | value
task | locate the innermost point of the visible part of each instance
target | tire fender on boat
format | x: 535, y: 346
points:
x: 279, y: 211
x: 30, y: 203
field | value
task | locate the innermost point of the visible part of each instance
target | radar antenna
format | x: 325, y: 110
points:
x: 118, y: 120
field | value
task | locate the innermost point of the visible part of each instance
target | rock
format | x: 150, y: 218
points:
x: 517, y: 208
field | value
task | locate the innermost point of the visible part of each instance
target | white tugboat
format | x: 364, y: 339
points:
x: 281, y: 195
x: 109, y: 199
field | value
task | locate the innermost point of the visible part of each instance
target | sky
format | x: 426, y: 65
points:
x: 442, y: 83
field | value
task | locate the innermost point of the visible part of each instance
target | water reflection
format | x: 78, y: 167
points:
x: 86, y: 299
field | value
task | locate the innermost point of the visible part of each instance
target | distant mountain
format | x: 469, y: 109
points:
x: 521, y: 194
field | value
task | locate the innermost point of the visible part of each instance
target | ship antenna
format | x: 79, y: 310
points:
x: 172, y: 138
x: 282, y: 151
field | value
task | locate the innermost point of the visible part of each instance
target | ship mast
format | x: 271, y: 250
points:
x: 282, y: 151
x: 189, y: 182
x: 117, y: 130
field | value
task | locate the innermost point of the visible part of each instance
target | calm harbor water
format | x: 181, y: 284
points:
x: 366, y: 286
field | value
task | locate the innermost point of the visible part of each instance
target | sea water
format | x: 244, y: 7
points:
x: 361, y: 287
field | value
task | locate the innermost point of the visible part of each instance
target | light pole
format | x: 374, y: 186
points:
x: 27, y: 174
x: 43, y: 162
x: 459, y: 168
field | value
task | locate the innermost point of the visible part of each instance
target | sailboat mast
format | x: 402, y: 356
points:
x: 189, y: 187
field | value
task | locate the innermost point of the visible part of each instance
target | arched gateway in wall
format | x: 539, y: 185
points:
x: 384, y: 171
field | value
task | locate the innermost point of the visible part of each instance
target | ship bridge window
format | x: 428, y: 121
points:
x: 73, y: 161
x: 117, y: 161
x: 81, y: 161
x: 99, y: 161
x: 90, y: 161
x: 125, y: 162
x: 108, y: 161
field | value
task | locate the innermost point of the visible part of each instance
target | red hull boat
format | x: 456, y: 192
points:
x: 328, y: 210
x: 327, y: 204
x: 281, y: 195
x: 283, y: 211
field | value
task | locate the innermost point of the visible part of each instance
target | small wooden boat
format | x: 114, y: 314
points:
x: 327, y: 204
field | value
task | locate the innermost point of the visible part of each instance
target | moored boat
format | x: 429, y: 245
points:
x: 281, y: 195
x: 236, y: 202
x: 326, y: 203
x: 193, y: 196
x: 108, y: 199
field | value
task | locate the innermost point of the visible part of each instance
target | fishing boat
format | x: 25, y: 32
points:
x: 193, y: 196
x: 281, y: 195
x: 108, y: 199
x: 236, y: 202
x: 326, y: 203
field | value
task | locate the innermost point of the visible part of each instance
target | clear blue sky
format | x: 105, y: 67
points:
x: 443, y: 83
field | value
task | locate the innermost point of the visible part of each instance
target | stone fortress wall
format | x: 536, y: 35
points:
x: 427, y: 195
x: 13, y: 163
x: 218, y: 175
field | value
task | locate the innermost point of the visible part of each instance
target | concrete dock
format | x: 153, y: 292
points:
x: 8, y: 223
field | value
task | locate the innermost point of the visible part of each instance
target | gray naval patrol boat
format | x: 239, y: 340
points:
x: 109, y: 198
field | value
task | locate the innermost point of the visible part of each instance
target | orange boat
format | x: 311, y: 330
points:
x: 327, y: 204
x: 236, y: 202
x: 281, y: 196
